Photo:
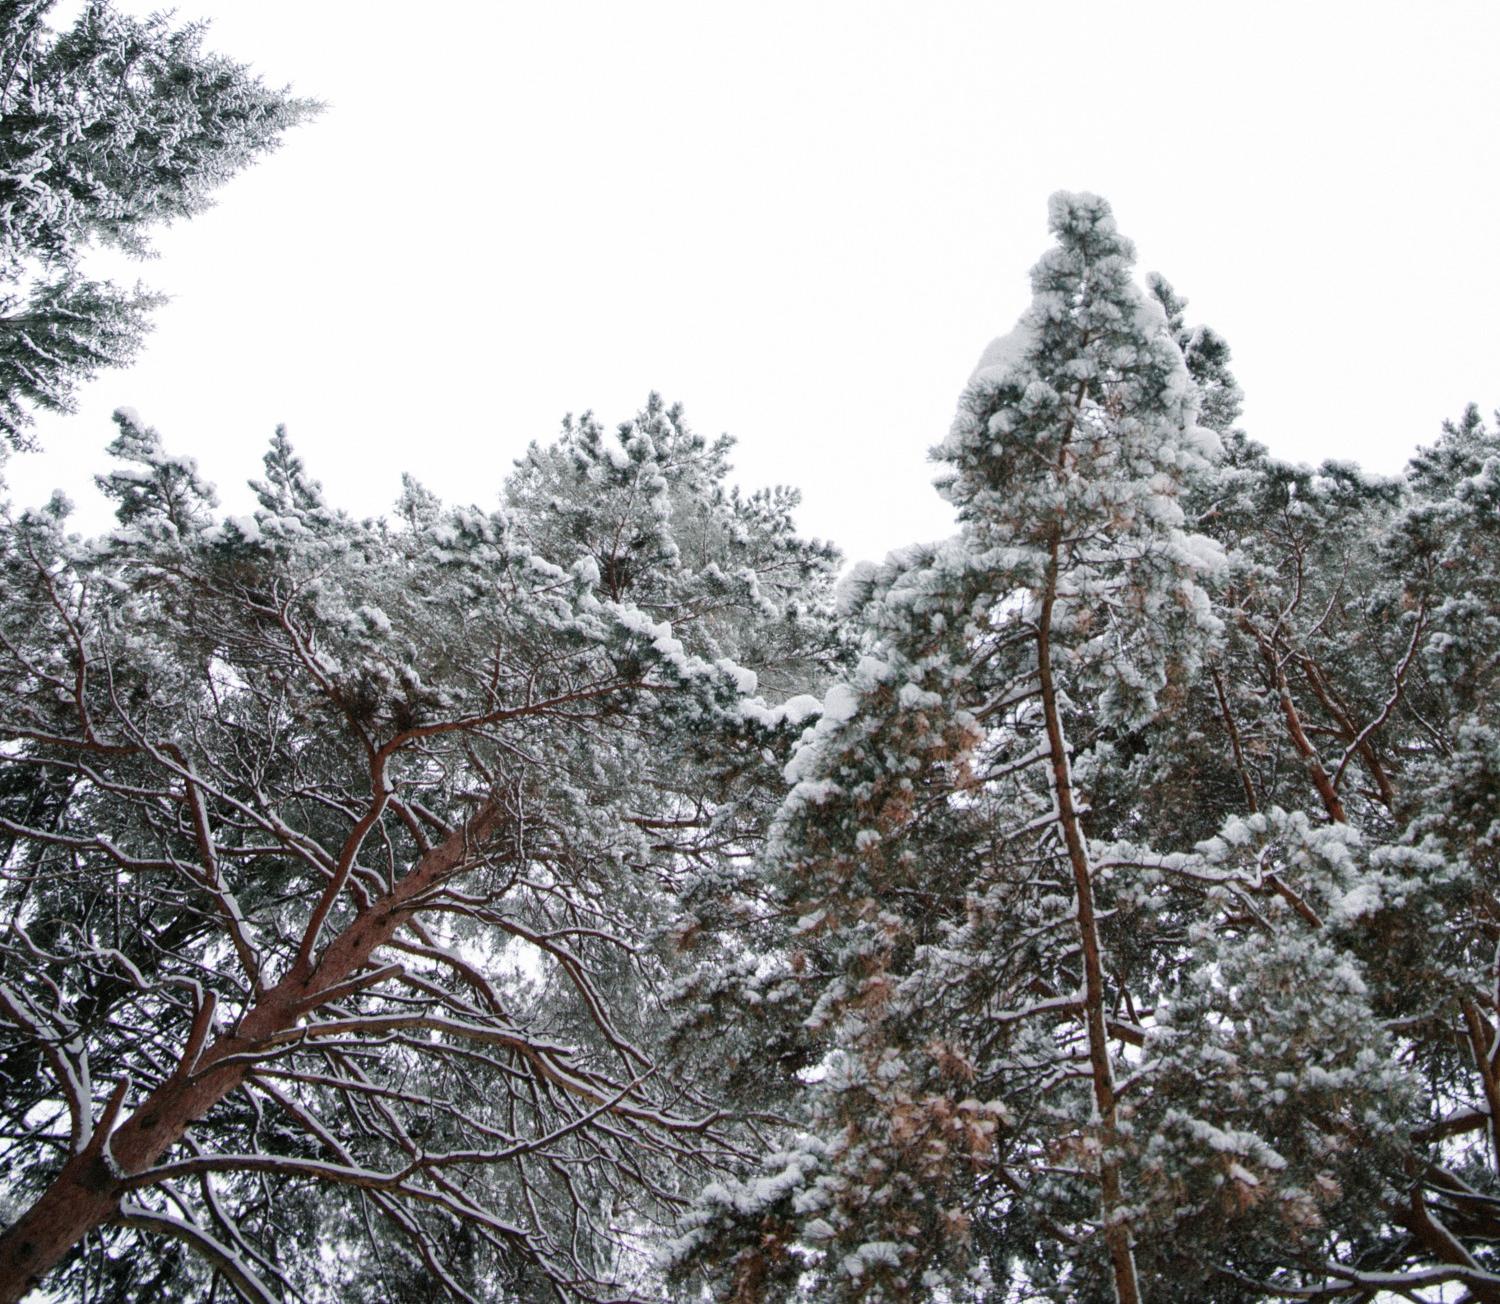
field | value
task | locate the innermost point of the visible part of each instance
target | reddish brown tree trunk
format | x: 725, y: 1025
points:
x: 1116, y: 1233
x: 1297, y: 733
x: 86, y: 1194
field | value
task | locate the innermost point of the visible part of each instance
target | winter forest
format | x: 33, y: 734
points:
x: 606, y: 896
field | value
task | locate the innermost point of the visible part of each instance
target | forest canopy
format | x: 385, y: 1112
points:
x: 596, y: 896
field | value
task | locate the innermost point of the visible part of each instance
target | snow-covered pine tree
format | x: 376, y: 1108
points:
x: 327, y: 843
x: 1433, y: 955
x: 952, y: 947
x: 1140, y: 940
x: 739, y: 584
x: 1315, y: 1067
x: 1117, y: 935
x: 1359, y: 662
x: 106, y: 130
x: 649, y: 505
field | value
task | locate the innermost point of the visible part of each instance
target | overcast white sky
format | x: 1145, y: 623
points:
x: 805, y: 221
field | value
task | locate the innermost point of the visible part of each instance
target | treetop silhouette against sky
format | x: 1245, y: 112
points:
x: 804, y: 225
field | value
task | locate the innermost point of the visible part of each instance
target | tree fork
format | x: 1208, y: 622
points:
x: 1309, y: 754
x: 87, y: 1193
x: 1357, y: 739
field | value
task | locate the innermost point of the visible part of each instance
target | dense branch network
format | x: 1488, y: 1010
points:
x: 575, y: 899
x: 336, y: 857
x: 1143, y: 941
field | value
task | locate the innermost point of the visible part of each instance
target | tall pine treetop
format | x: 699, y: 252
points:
x: 1091, y: 384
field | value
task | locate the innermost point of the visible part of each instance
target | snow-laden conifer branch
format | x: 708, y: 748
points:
x: 432, y: 797
x: 1094, y: 972
x: 1097, y: 902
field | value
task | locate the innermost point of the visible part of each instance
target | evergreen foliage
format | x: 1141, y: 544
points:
x: 584, y: 899
x: 1135, y: 875
x: 106, y: 130
x: 351, y: 854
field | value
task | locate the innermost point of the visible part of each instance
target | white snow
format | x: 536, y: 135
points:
x: 914, y: 698
x: 745, y: 681
x: 792, y: 712
x: 1003, y: 356
x: 375, y: 618
x: 840, y: 703
x: 614, y: 450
